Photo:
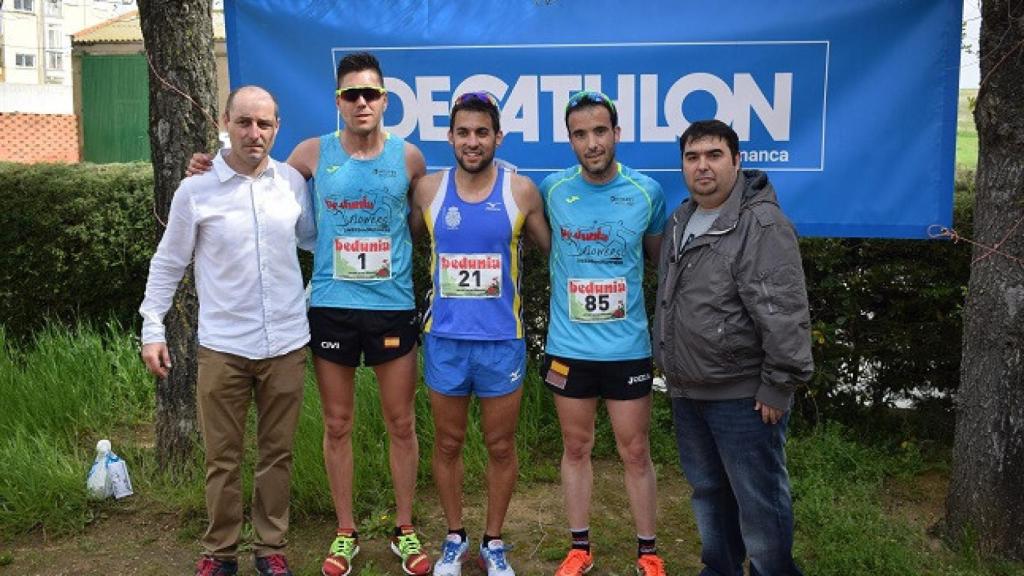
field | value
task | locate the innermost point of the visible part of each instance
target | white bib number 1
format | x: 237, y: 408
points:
x: 362, y: 259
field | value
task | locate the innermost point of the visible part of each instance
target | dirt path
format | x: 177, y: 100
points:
x: 134, y: 540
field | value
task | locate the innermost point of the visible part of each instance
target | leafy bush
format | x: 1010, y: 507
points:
x: 887, y: 318
x: 75, y: 242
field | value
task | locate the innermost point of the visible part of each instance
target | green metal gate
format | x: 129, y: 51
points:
x: 115, y: 108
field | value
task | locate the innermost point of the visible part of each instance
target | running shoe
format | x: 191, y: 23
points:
x: 576, y: 563
x: 649, y: 565
x: 453, y: 554
x: 210, y: 566
x: 339, y: 559
x: 273, y: 565
x: 407, y: 547
x: 492, y: 559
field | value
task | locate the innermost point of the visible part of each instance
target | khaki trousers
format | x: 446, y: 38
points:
x: 226, y: 384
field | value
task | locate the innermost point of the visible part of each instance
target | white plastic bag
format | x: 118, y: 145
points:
x: 108, y: 475
x: 117, y: 473
x: 97, y: 482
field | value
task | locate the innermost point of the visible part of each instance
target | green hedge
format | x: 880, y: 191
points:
x: 75, y: 243
x: 887, y: 318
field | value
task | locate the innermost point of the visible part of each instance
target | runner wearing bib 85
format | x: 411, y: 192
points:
x: 604, y: 217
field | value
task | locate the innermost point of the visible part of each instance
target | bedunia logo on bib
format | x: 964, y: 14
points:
x: 362, y: 258
x: 469, y: 275
x: 597, y: 300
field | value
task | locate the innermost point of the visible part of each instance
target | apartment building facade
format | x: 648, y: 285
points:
x: 35, y: 50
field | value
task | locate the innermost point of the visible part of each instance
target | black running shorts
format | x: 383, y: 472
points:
x: 611, y: 380
x: 343, y: 335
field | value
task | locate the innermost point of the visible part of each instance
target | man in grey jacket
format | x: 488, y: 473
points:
x: 732, y: 336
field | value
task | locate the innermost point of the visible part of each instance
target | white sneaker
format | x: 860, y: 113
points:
x: 492, y: 559
x: 453, y: 554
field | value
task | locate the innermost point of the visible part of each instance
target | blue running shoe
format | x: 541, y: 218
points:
x: 492, y: 559
x: 453, y: 554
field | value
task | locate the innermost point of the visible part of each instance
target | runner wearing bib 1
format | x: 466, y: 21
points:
x: 363, y: 256
x: 363, y: 311
x: 362, y: 303
x: 597, y: 302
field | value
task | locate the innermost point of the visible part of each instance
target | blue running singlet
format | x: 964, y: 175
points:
x: 475, y: 264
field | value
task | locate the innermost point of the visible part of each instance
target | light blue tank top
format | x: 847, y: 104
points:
x: 596, y: 263
x: 363, y: 256
x: 475, y: 263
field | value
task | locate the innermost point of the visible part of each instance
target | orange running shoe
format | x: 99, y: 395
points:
x: 650, y: 565
x: 577, y: 563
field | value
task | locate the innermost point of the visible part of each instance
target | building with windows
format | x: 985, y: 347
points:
x: 74, y: 80
x: 35, y: 50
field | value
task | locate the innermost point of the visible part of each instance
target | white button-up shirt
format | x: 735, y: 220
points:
x: 244, y: 232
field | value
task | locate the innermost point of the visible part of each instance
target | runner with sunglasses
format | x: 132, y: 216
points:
x: 476, y: 214
x: 362, y: 304
x: 604, y: 217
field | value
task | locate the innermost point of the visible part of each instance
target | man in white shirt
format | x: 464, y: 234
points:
x: 243, y: 221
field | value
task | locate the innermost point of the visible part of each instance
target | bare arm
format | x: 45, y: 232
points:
x: 415, y: 170
x: 528, y: 198
x: 305, y: 157
x: 652, y: 247
x: 422, y: 196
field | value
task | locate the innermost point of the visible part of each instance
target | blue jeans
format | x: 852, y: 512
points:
x: 737, y: 466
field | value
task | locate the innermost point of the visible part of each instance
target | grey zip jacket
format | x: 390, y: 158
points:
x: 731, y: 319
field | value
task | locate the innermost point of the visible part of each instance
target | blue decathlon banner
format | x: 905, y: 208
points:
x: 849, y: 106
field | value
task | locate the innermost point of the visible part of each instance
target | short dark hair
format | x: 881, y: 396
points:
x: 476, y: 105
x: 713, y: 128
x: 231, y: 98
x: 357, y: 62
x: 590, y: 99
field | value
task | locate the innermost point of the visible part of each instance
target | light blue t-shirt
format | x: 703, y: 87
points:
x: 363, y: 256
x: 596, y: 263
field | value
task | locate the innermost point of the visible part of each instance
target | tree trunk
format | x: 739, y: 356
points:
x: 178, y: 37
x: 985, y: 503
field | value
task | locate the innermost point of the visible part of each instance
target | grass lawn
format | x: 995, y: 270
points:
x: 966, y: 133
x: 860, y: 509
